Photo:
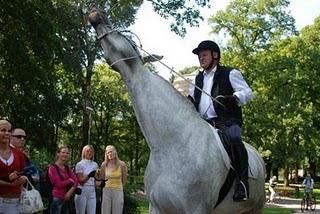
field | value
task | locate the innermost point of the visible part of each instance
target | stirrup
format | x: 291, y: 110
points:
x: 245, y: 189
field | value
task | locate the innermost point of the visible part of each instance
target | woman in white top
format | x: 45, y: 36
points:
x: 85, y: 171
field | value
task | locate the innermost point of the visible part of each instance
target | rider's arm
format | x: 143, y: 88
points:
x: 240, y: 86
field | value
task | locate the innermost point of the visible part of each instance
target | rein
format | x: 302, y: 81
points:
x: 118, y: 60
x: 165, y: 65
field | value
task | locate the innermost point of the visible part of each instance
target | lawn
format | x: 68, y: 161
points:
x: 144, y: 208
x: 277, y: 211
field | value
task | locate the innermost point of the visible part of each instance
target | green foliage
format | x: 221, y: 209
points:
x: 188, y: 70
x: 253, y: 24
x: 282, y: 70
x: 183, y: 12
x: 27, y: 70
x: 131, y: 205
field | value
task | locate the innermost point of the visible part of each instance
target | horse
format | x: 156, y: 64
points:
x: 187, y: 166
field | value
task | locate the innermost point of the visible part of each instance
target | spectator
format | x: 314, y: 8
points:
x: 12, y: 161
x: 272, y: 187
x: 85, y: 171
x: 64, y: 183
x: 115, y: 171
x: 18, y: 141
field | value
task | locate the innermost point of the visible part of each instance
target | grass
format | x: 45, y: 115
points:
x: 144, y: 209
x: 277, y: 211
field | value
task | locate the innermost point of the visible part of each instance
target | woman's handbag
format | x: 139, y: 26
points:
x: 30, y: 200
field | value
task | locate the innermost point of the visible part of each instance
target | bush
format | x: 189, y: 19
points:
x: 131, y: 205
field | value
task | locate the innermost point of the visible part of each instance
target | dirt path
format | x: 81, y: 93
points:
x: 292, y: 203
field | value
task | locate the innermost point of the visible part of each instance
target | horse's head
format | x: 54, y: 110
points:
x: 97, y: 16
x: 118, y: 48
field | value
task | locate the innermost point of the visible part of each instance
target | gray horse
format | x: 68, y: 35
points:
x: 187, y: 166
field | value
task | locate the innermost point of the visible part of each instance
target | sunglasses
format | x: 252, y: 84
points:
x: 20, y: 136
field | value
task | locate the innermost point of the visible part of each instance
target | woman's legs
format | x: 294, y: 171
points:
x: 91, y: 200
x: 272, y: 193
x: 80, y: 202
x: 86, y: 201
x: 112, y: 200
x: 56, y: 206
x: 117, y: 202
x: 106, y: 202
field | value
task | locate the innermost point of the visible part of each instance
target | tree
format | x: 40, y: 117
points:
x: 183, y: 12
x: 27, y: 70
x: 253, y: 27
x: 47, y: 64
x: 79, y: 48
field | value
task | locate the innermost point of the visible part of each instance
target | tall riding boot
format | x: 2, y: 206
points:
x: 241, y: 164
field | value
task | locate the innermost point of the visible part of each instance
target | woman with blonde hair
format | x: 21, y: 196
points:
x: 12, y: 161
x: 115, y: 171
x: 85, y: 171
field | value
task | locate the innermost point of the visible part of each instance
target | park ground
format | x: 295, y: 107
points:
x: 286, y: 203
x: 282, y: 205
x: 290, y: 203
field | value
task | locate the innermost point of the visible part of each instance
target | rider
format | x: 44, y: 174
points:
x: 230, y: 91
x: 308, y: 183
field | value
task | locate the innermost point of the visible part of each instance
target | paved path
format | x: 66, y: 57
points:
x: 292, y: 203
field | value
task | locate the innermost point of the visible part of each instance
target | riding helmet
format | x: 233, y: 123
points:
x: 207, y: 45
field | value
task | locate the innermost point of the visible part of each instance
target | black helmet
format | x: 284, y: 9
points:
x: 207, y: 45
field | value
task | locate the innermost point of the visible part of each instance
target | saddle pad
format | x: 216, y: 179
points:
x: 224, y: 153
x: 253, y: 159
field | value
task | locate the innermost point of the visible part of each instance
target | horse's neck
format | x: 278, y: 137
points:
x: 160, y: 109
x: 166, y: 118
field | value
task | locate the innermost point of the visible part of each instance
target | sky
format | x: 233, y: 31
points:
x: 156, y: 38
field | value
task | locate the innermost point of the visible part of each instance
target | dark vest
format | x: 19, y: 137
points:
x: 221, y: 86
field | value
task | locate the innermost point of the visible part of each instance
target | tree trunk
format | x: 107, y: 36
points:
x: 296, y: 176
x: 313, y: 167
x: 286, y: 176
x: 268, y: 163
x: 275, y: 172
x: 86, y: 107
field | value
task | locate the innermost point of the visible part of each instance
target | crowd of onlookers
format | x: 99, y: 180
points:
x: 68, y: 186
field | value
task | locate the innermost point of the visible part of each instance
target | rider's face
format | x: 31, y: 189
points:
x: 205, y: 58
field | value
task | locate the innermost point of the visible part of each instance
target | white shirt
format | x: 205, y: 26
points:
x: 85, y: 167
x: 9, y: 161
x: 240, y: 87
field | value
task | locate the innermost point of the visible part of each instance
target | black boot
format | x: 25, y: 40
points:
x: 241, y: 192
